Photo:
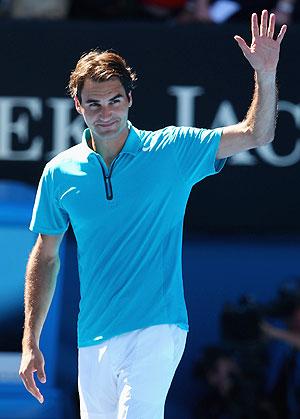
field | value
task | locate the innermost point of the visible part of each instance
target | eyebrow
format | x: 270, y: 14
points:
x: 113, y: 98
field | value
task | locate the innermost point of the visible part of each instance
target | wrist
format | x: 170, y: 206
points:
x: 30, y: 341
x: 265, y: 77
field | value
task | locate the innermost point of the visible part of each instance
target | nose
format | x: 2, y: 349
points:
x: 105, y: 113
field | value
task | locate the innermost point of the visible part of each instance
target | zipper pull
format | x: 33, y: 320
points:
x: 108, y: 187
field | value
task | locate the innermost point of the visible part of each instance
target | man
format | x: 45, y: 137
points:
x: 124, y: 191
x: 282, y: 372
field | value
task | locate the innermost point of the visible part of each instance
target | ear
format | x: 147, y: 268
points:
x: 77, y: 105
x: 130, y: 99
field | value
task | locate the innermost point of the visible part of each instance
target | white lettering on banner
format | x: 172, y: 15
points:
x: 66, y: 129
x: 185, y: 103
x: 63, y: 128
x: 20, y: 128
x: 225, y: 116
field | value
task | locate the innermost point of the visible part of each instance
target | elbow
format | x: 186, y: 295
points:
x: 53, y: 261
x: 258, y: 134
x: 43, y: 255
x: 262, y: 138
x: 47, y: 250
x: 51, y: 264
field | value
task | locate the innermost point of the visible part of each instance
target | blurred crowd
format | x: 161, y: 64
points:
x: 254, y: 372
x: 181, y: 11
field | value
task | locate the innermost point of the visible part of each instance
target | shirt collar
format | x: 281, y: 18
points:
x: 132, y: 144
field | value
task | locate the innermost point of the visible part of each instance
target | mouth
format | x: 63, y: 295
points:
x: 106, y: 124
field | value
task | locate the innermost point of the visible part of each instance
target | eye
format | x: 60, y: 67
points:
x: 115, y: 101
x: 94, y: 105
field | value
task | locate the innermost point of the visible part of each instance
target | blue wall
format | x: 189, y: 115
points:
x: 218, y: 270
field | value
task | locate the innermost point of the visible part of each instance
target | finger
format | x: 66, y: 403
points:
x: 242, y: 44
x: 281, y: 33
x: 271, y: 26
x: 254, y: 26
x: 36, y: 393
x: 30, y: 386
x: 264, y: 23
x: 41, y: 374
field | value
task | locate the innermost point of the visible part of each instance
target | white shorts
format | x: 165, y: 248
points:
x: 129, y: 376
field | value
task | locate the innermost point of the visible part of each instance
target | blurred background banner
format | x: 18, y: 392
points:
x: 188, y: 75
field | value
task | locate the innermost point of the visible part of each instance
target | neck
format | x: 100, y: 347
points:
x: 109, y: 149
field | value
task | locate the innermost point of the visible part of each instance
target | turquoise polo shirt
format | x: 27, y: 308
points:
x: 127, y: 220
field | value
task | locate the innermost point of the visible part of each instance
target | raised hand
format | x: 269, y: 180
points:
x: 263, y: 53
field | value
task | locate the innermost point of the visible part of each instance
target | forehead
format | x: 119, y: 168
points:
x: 103, y: 89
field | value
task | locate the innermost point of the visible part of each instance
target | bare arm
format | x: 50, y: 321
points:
x: 258, y: 128
x: 41, y: 273
x: 286, y: 336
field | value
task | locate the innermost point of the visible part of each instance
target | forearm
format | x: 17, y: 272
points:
x: 285, y: 336
x: 260, y: 121
x: 40, y: 284
x: 258, y: 127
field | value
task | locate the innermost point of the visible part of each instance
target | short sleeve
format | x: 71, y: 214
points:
x: 48, y: 217
x: 195, y: 152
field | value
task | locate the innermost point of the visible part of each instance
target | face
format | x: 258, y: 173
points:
x: 221, y: 377
x: 104, y: 107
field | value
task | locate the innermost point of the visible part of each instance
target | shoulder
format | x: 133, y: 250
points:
x: 159, y: 138
x: 173, y: 134
x: 169, y: 130
x: 66, y: 158
x: 175, y: 131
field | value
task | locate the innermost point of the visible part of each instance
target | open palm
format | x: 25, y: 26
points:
x: 263, y: 53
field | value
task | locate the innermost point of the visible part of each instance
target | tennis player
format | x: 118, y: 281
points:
x: 124, y: 191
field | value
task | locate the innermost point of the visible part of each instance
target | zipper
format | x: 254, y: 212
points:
x: 108, y: 187
x: 107, y: 180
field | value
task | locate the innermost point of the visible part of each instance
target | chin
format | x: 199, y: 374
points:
x: 109, y: 132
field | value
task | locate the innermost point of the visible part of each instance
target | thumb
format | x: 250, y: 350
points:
x: 41, y: 375
x: 242, y: 44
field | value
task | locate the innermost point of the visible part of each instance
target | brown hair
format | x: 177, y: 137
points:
x: 100, y: 66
